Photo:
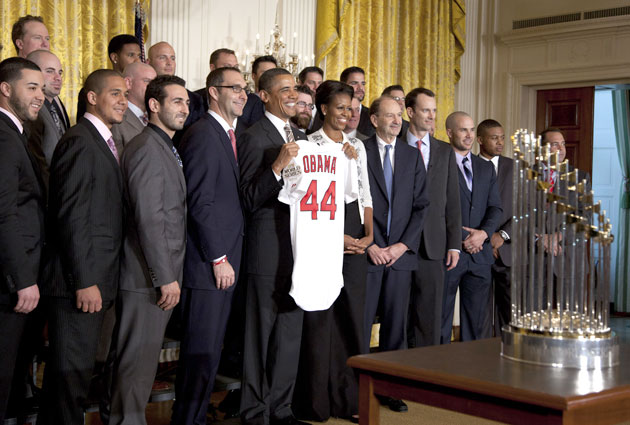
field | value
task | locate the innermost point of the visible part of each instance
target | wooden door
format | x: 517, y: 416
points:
x: 571, y: 111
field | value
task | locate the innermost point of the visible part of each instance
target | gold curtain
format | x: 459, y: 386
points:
x: 79, y: 34
x: 408, y: 42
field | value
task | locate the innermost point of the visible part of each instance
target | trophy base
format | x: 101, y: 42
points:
x: 557, y: 351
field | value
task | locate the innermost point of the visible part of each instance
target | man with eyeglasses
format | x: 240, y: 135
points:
x: 214, y: 242
x: 304, y: 107
x: 397, y: 93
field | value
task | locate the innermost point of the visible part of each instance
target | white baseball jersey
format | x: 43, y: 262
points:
x: 316, y: 184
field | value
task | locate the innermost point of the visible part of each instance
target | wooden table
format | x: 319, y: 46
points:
x: 473, y: 378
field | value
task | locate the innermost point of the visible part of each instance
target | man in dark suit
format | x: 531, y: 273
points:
x: 353, y: 122
x: 215, y: 242
x: 399, y: 196
x: 440, y: 242
x: 481, y: 215
x: 355, y: 77
x: 491, y: 139
x: 85, y: 240
x: 397, y: 92
x: 137, y: 75
x: 22, y: 200
x: 273, y: 324
x: 153, y: 251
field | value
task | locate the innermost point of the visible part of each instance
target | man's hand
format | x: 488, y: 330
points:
x: 452, y: 258
x: 474, y: 241
x: 551, y: 243
x: 27, y: 299
x: 497, y: 242
x: 350, y: 151
x: 395, y: 251
x: 224, y: 274
x: 89, y: 299
x: 288, y: 151
x: 170, y: 295
x: 378, y: 255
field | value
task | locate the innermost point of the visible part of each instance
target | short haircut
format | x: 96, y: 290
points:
x: 214, y: 56
x: 261, y: 59
x: 307, y: 70
x: 116, y: 44
x: 390, y: 89
x: 304, y: 89
x: 486, y: 125
x: 11, y: 68
x: 215, y: 77
x: 155, y: 89
x: 17, y: 32
x: 266, y: 80
x: 327, y: 91
x: 345, y: 74
x: 96, y: 80
x: 410, y: 99
x: 543, y: 135
x: 376, y: 105
x: 450, y: 120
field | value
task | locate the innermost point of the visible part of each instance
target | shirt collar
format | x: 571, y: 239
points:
x: 102, y: 129
x: 136, y: 110
x: 352, y: 134
x: 14, y: 119
x: 224, y: 124
x: 278, y: 123
x: 459, y: 158
x: 382, y: 144
x: 412, y: 139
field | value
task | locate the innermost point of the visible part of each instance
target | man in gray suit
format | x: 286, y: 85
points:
x: 491, y: 139
x: 441, y: 237
x: 137, y: 75
x: 153, y: 250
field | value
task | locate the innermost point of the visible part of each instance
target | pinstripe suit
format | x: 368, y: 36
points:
x: 86, y: 222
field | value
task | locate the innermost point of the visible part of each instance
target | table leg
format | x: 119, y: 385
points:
x: 368, y: 403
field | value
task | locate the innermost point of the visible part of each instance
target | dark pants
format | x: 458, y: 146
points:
x: 74, y: 338
x: 204, y: 318
x: 391, y: 287
x: 425, y: 313
x: 273, y: 330
x: 474, y: 281
x: 11, y: 330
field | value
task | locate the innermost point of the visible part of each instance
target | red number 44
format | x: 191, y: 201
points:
x: 309, y: 200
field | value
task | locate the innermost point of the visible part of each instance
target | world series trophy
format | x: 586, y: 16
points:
x: 561, y: 243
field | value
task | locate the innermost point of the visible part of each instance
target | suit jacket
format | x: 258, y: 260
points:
x: 365, y: 125
x: 129, y: 128
x: 21, y: 212
x: 268, y: 225
x: 45, y: 133
x: 409, y: 201
x: 404, y: 128
x: 252, y: 113
x: 155, y: 228
x: 443, y: 220
x: 481, y: 208
x: 85, y: 215
x: 216, y: 223
x: 504, y: 179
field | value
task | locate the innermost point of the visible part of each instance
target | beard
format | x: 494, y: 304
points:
x: 301, y: 120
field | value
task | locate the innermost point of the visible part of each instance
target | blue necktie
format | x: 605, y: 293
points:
x: 388, y: 172
x: 467, y: 173
x: 177, y: 157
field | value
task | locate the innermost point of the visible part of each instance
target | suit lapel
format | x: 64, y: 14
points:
x: 477, y: 176
x: 169, y: 153
x: 225, y: 143
x: 102, y: 145
x: 374, y: 163
x: 272, y: 132
x: 133, y: 120
x: 401, y: 163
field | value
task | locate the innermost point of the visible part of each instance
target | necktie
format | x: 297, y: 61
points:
x: 57, y: 120
x: 112, y: 147
x: 552, y: 180
x: 287, y: 130
x: 419, y: 145
x: 388, y: 172
x: 233, y: 141
x: 144, y: 119
x: 467, y: 173
x: 177, y: 157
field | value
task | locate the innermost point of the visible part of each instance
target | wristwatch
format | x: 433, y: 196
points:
x: 504, y: 236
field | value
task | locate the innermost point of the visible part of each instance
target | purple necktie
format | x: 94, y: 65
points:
x: 112, y: 147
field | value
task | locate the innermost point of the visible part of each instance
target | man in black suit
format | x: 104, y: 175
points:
x: 215, y: 242
x: 440, y: 242
x: 481, y: 215
x: 273, y: 324
x: 355, y: 77
x: 491, y: 139
x: 397, y: 93
x: 21, y: 211
x: 85, y: 240
x: 153, y: 251
x: 399, y: 196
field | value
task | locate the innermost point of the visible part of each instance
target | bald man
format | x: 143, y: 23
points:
x: 161, y: 57
x: 137, y: 76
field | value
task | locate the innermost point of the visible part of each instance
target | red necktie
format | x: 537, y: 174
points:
x: 551, y: 180
x: 233, y: 141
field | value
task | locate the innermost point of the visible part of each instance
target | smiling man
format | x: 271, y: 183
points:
x: 29, y: 34
x: 21, y: 212
x: 304, y: 109
x: 86, y: 218
x: 264, y: 150
x: 355, y: 77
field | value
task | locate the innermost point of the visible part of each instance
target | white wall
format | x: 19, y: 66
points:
x: 197, y: 27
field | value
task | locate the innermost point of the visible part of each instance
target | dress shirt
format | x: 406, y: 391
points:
x: 224, y: 124
x: 15, y: 120
x: 425, y: 149
x: 459, y: 158
x: 381, y: 151
x: 136, y: 110
x: 102, y: 129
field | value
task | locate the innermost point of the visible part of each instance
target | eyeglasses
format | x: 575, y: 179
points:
x: 305, y: 105
x: 235, y: 88
x: 398, y: 98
